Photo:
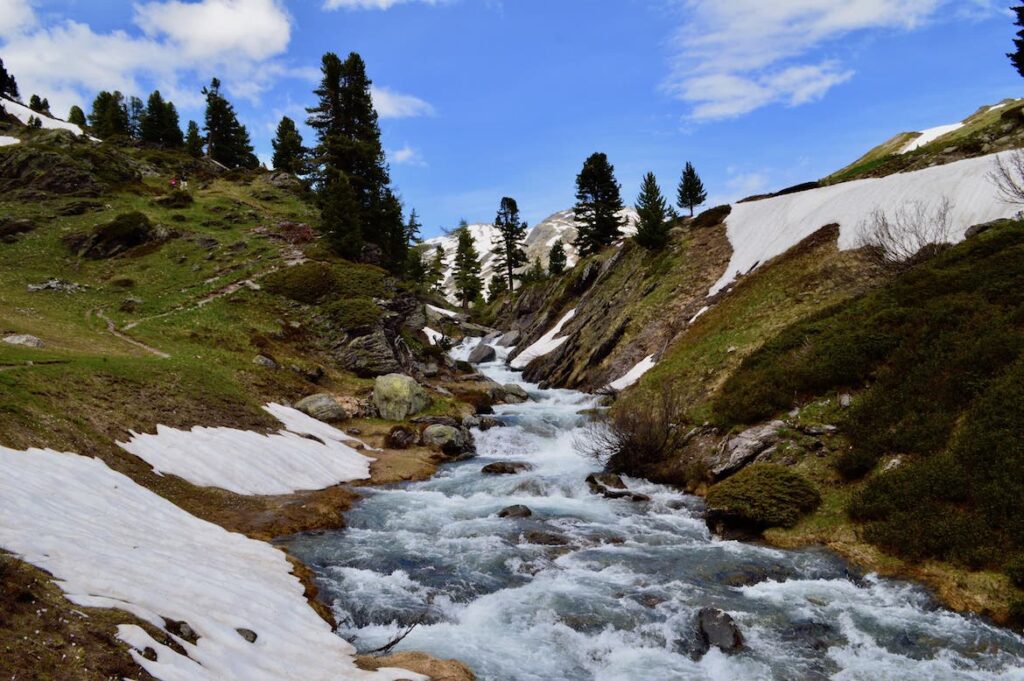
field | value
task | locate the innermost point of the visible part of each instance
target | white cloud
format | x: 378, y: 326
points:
x: 737, y: 56
x: 391, y: 104
x: 407, y: 156
x: 370, y: 4
x: 15, y: 16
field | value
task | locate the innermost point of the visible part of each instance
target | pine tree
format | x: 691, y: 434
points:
x: 109, y: 116
x: 394, y: 243
x: 151, y: 125
x: 435, y: 272
x: 412, y: 228
x: 1016, y: 57
x: 35, y: 122
x: 556, y: 258
x: 691, y: 190
x: 598, y: 204
x: 8, y: 85
x: 136, y: 112
x: 535, y: 272
x: 497, y: 287
x: 338, y: 215
x: 38, y: 104
x: 467, y: 268
x: 172, y: 137
x: 654, y: 212
x: 194, y: 141
x: 509, y: 252
x: 416, y: 268
x: 76, y: 116
x: 227, y: 140
x: 289, y: 154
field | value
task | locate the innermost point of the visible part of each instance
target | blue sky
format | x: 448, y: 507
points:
x: 486, y: 98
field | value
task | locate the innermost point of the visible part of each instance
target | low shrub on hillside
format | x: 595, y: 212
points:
x: 355, y: 315
x: 365, y: 281
x: 307, y: 283
x: 763, y: 495
x: 711, y: 217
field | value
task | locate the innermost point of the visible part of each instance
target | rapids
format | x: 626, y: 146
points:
x: 618, y: 602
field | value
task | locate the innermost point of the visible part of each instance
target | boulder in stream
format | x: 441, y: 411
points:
x: 506, y: 468
x: 718, y: 629
x: 517, y: 511
x: 482, y: 353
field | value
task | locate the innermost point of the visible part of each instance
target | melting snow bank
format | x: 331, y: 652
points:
x: 761, y: 230
x: 432, y: 336
x: 25, y: 114
x: 634, y: 374
x: 547, y: 343
x: 930, y: 135
x: 111, y: 543
x: 308, y: 455
x: 6, y: 141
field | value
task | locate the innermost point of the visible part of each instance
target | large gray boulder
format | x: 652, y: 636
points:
x: 454, y: 442
x: 515, y: 393
x: 322, y: 407
x: 24, y: 340
x: 718, y: 629
x: 506, y: 468
x: 482, y: 353
x: 742, y: 449
x: 509, y: 339
x: 369, y: 356
x: 398, y: 397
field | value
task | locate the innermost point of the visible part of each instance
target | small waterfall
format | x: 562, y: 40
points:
x: 590, y: 588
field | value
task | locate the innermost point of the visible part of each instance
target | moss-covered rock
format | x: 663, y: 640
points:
x: 124, y: 232
x: 398, y: 397
x: 759, y: 497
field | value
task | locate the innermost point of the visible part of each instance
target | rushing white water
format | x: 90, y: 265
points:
x: 619, y: 601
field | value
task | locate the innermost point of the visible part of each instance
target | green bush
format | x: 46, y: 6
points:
x: 361, y: 281
x: 354, y: 314
x: 308, y: 283
x: 764, y: 495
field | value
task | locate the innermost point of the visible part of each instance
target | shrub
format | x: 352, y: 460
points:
x: 356, y: 315
x: 711, y: 217
x: 176, y: 198
x: 893, y: 240
x: 361, y: 281
x: 308, y: 282
x: 637, y: 433
x: 764, y: 495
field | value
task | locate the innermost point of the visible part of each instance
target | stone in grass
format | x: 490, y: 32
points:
x: 322, y: 407
x: 401, y: 437
x: 264, y: 361
x: 24, y: 340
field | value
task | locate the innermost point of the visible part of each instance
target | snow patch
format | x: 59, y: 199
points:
x: 930, y: 135
x: 634, y: 374
x: 761, y: 230
x: 23, y: 114
x: 247, y: 462
x: 433, y: 336
x: 547, y: 343
x: 699, y: 314
x: 111, y: 543
x: 8, y: 141
x: 442, y: 311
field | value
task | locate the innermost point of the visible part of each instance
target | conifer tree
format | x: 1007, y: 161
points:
x: 468, y: 285
x: 227, y: 140
x: 1017, y: 56
x: 412, y: 228
x: 136, y: 112
x: 556, y: 258
x: 598, y: 204
x: 393, y: 242
x: 535, y: 272
x: 172, y: 137
x: 289, y: 154
x: 76, y: 116
x: 509, y: 251
x: 109, y: 116
x: 194, y: 141
x: 654, y: 212
x: 416, y: 268
x: 35, y: 122
x: 691, y: 190
x: 39, y: 105
x: 497, y: 287
x: 435, y: 272
x: 8, y: 85
x: 154, y: 121
x: 339, y: 212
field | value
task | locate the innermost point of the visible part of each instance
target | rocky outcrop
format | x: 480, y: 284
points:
x: 322, y: 407
x: 24, y: 340
x: 742, y: 449
x: 398, y: 397
x: 369, y: 356
x: 482, y: 353
x: 515, y: 393
x: 436, y: 670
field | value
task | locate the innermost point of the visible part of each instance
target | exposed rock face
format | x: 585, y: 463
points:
x: 11, y: 229
x: 24, y: 340
x: 482, y: 353
x: 506, y: 468
x: 397, y: 397
x: 370, y: 355
x: 718, y: 629
x: 517, y: 511
x: 743, y: 449
x: 124, y: 232
x: 322, y: 407
x: 401, y: 437
x: 282, y: 180
x: 509, y: 339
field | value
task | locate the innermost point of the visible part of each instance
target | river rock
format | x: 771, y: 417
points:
x: 509, y: 339
x: 397, y: 397
x: 482, y: 353
x: 545, y: 538
x: 515, y: 393
x: 743, y: 448
x: 506, y: 468
x: 517, y: 511
x: 24, y: 340
x: 452, y: 441
x: 601, y: 482
x: 322, y: 407
x: 718, y: 629
x: 401, y: 437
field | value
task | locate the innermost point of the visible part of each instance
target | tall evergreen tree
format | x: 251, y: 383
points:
x: 435, y: 271
x: 109, y: 115
x: 509, y: 250
x: 339, y: 210
x: 412, y: 227
x: 159, y: 125
x: 38, y: 104
x: 136, y: 113
x: 1016, y: 57
x: 598, y: 204
x: 172, y: 137
x: 394, y: 243
x: 193, y: 140
x: 289, y: 154
x: 76, y: 115
x: 8, y: 85
x: 556, y: 258
x: 227, y: 140
x: 416, y: 267
x: 468, y: 284
x: 497, y: 287
x: 691, y: 190
x: 654, y: 212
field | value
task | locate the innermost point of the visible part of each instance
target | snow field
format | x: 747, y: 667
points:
x: 546, y: 344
